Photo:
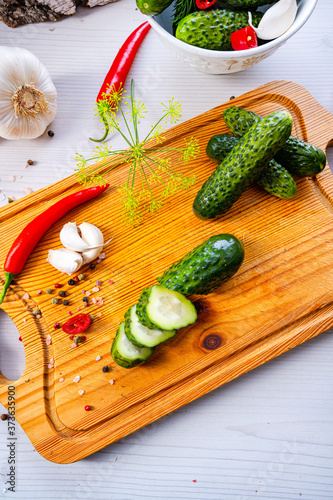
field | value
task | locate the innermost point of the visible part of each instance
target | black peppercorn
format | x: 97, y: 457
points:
x: 71, y: 282
x: 85, y: 299
x: 65, y: 302
x: 62, y: 293
x: 92, y: 266
x: 50, y: 133
x: 105, y: 369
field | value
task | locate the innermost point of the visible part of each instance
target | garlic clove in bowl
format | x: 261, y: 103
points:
x: 276, y: 20
x: 66, y: 261
x: 28, y: 98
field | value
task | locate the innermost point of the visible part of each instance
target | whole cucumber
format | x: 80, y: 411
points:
x: 152, y: 7
x: 298, y: 157
x: 275, y: 179
x: 206, y: 267
x: 247, y: 4
x: 212, y: 29
x: 243, y: 165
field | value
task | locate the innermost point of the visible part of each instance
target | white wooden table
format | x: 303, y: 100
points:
x: 265, y: 435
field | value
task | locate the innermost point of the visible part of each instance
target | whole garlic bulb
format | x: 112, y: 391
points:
x: 28, y: 98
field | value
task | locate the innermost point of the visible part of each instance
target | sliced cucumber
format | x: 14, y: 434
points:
x: 165, y: 309
x: 126, y: 354
x: 142, y: 336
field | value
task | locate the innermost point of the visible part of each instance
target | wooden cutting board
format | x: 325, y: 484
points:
x: 281, y: 296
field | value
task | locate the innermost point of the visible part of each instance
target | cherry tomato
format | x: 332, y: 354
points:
x: 243, y: 39
x: 204, y: 4
x: 77, y: 324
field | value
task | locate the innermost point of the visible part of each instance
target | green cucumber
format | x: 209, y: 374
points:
x: 152, y: 7
x: 125, y: 353
x: 243, y: 165
x: 142, y: 336
x: 247, y: 4
x: 165, y: 309
x: 298, y: 157
x: 219, y: 146
x: 212, y: 29
x: 206, y: 267
x: 275, y: 179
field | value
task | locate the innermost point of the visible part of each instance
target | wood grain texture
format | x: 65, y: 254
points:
x: 281, y: 296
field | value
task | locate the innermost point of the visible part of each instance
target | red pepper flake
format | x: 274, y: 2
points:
x: 132, y: 281
x: 87, y: 407
x: 70, y: 313
x: 77, y: 324
x: 243, y: 39
x: 194, y: 481
x: 20, y: 339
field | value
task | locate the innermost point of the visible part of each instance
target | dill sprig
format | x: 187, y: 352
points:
x: 181, y: 9
x: 148, y: 165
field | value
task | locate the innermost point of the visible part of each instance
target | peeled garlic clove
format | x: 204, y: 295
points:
x: 70, y: 238
x: 93, y: 237
x: 276, y: 20
x: 66, y: 261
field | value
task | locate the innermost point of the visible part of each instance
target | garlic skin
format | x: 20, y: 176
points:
x: 92, y: 236
x: 66, y: 261
x: 276, y: 20
x: 28, y: 98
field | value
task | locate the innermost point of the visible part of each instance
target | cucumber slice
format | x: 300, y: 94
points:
x: 126, y: 354
x: 165, y: 309
x: 142, y: 336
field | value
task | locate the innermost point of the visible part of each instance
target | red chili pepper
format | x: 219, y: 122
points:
x: 120, y: 67
x: 32, y: 233
x: 77, y: 324
x: 243, y: 39
x: 204, y: 4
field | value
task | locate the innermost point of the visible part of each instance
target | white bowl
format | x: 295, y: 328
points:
x: 222, y: 62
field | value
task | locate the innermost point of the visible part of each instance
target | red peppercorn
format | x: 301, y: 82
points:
x: 87, y: 407
x: 20, y: 339
x: 76, y: 278
x: 56, y: 326
x: 57, y: 285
